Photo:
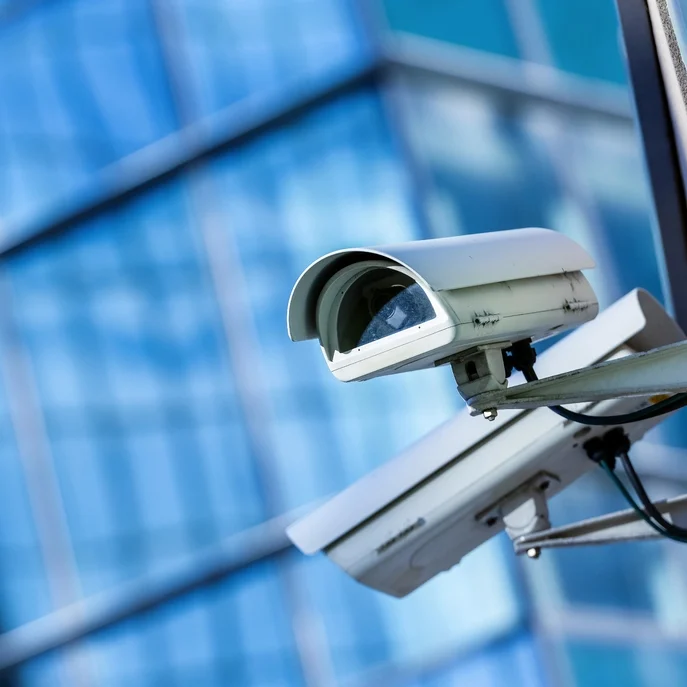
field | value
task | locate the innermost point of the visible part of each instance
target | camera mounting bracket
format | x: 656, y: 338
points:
x: 657, y: 372
x: 620, y: 526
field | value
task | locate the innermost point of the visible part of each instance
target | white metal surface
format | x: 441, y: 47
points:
x: 445, y: 264
x: 435, y: 524
x: 637, y: 321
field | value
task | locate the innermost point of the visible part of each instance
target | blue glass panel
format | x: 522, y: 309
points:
x: 120, y: 321
x: 484, y: 173
x: 135, y: 384
x: 459, y: 610
x: 510, y: 660
x: 357, y: 635
x: 328, y: 182
x: 81, y: 84
x: 623, y: 575
x: 46, y: 671
x: 584, y: 37
x: 237, y: 48
x: 605, y: 665
x: 482, y: 25
x: 25, y: 592
x: 672, y: 431
x: 597, y: 665
x: 235, y: 633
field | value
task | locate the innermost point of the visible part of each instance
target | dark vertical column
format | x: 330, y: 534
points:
x: 660, y: 148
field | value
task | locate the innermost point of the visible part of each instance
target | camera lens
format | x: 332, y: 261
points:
x: 376, y: 304
x: 394, y: 308
x: 381, y: 299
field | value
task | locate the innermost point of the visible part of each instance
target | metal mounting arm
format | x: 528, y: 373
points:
x: 659, y: 371
x: 616, y: 527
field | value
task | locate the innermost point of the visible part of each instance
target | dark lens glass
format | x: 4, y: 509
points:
x: 381, y: 302
x: 395, y: 308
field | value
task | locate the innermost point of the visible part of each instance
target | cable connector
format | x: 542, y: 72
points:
x: 617, y: 441
x: 519, y: 356
x: 607, y: 448
x: 599, y: 453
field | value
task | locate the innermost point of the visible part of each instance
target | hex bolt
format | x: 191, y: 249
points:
x: 490, y: 414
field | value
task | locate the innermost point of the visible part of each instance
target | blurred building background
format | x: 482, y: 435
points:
x: 167, y: 169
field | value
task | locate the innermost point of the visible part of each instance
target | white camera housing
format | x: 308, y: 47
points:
x: 420, y: 513
x: 388, y: 309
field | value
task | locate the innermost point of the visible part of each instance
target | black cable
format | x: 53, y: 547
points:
x: 661, y: 408
x: 521, y: 356
x: 672, y: 530
x: 628, y: 497
x: 667, y: 405
x: 616, y: 444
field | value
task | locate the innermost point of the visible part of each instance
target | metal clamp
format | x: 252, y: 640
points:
x: 523, y: 511
x: 620, y: 526
x: 659, y: 371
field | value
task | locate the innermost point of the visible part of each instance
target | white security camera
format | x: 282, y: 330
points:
x: 460, y: 300
x: 420, y: 513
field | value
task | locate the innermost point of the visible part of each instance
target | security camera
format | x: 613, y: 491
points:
x: 420, y: 513
x: 460, y: 300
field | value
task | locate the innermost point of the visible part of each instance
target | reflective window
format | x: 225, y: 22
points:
x: 232, y: 49
x: 485, y: 174
x: 623, y: 574
x: 483, y: 26
x: 127, y: 347
x: 672, y: 431
x: 584, y: 37
x: 81, y: 85
x: 151, y: 455
x: 595, y: 664
x: 238, y: 632
x: 513, y: 660
x: 25, y: 592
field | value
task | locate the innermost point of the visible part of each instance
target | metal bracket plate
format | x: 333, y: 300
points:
x: 523, y: 510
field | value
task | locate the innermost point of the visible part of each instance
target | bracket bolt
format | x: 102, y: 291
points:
x: 490, y: 414
x: 534, y: 552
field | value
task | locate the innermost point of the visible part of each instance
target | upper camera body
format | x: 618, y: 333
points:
x: 378, y: 311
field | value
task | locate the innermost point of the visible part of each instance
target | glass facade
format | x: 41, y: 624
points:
x: 151, y: 403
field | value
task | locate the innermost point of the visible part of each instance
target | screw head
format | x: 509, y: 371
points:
x: 490, y: 414
x: 534, y: 552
